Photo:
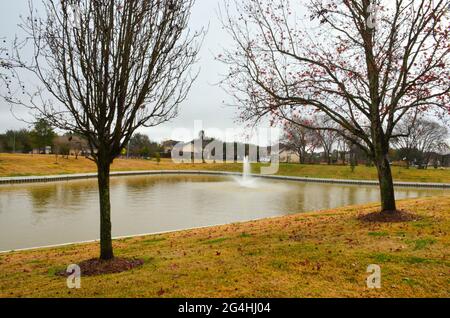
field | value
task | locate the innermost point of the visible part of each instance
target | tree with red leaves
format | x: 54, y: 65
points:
x: 364, y: 64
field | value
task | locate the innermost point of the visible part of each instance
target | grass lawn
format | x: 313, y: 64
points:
x: 322, y: 254
x: 26, y: 165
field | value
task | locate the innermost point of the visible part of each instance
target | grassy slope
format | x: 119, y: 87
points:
x: 23, y: 165
x: 307, y: 255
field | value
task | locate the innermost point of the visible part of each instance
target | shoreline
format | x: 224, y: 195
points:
x: 69, y: 177
x: 141, y: 235
x: 314, y: 254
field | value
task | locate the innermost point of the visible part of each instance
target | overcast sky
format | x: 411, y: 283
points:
x: 206, y: 99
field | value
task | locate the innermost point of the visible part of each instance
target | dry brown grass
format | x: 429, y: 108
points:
x: 26, y: 165
x: 322, y: 254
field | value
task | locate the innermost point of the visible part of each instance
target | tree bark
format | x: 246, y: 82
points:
x: 106, y: 249
x: 386, y: 184
x: 302, y: 158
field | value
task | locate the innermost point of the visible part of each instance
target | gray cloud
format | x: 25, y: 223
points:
x: 205, y: 101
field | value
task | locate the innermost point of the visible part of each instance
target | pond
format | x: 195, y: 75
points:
x: 33, y: 215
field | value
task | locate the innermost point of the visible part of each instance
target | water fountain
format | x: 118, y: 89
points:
x: 246, y: 181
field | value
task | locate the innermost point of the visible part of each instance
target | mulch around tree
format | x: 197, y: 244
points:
x: 388, y: 217
x: 95, y: 266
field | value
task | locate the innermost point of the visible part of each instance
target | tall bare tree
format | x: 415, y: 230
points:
x: 302, y: 140
x: 328, y: 136
x: 419, y: 140
x: 110, y: 66
x: 365, y: 64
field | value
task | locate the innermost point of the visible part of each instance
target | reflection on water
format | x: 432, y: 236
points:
x: 53, y: 213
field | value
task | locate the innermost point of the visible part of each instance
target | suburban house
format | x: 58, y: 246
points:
x: 168, y: 146
x: 42, y: 151
x: 194, y: 148
x: 288, y: 155
x: 231, y: 151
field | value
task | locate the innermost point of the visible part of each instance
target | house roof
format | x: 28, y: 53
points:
x: 168, y: 143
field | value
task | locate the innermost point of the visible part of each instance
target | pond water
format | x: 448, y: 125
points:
x: 33, y: 215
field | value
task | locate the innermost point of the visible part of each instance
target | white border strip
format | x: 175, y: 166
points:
x: 138, y: 235
x: 67, y: 177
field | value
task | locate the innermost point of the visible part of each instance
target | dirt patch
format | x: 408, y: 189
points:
x: 95, y: 266
x: 388, y: 217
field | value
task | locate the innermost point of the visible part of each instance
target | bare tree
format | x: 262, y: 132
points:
x: 328, y: 136
x: 61, y: 146
x: 342, y: 149
x: 365, y: 74
x: 110, y: 66
x: 405, y: 143
x: 68, y: 145
x: 303, y: 141
x: 420, y: 139
x: 78, y: 146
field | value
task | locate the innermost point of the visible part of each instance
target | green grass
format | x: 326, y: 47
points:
x: 320, y: 254
x: 378, y: 234
x: 153, y: 240
x: 423, y: 243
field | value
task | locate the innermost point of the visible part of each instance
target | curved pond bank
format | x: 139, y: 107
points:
x: 68, y: 177
x: 50, y: 213
x: 320, y: 254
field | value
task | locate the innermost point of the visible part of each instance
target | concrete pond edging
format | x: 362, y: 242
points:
x: 68, y: 177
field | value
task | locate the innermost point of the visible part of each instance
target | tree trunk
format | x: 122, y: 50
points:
x: 328, y: 158
x: 386, y: 184
x: 302, y: 159
x: 106, y: 249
